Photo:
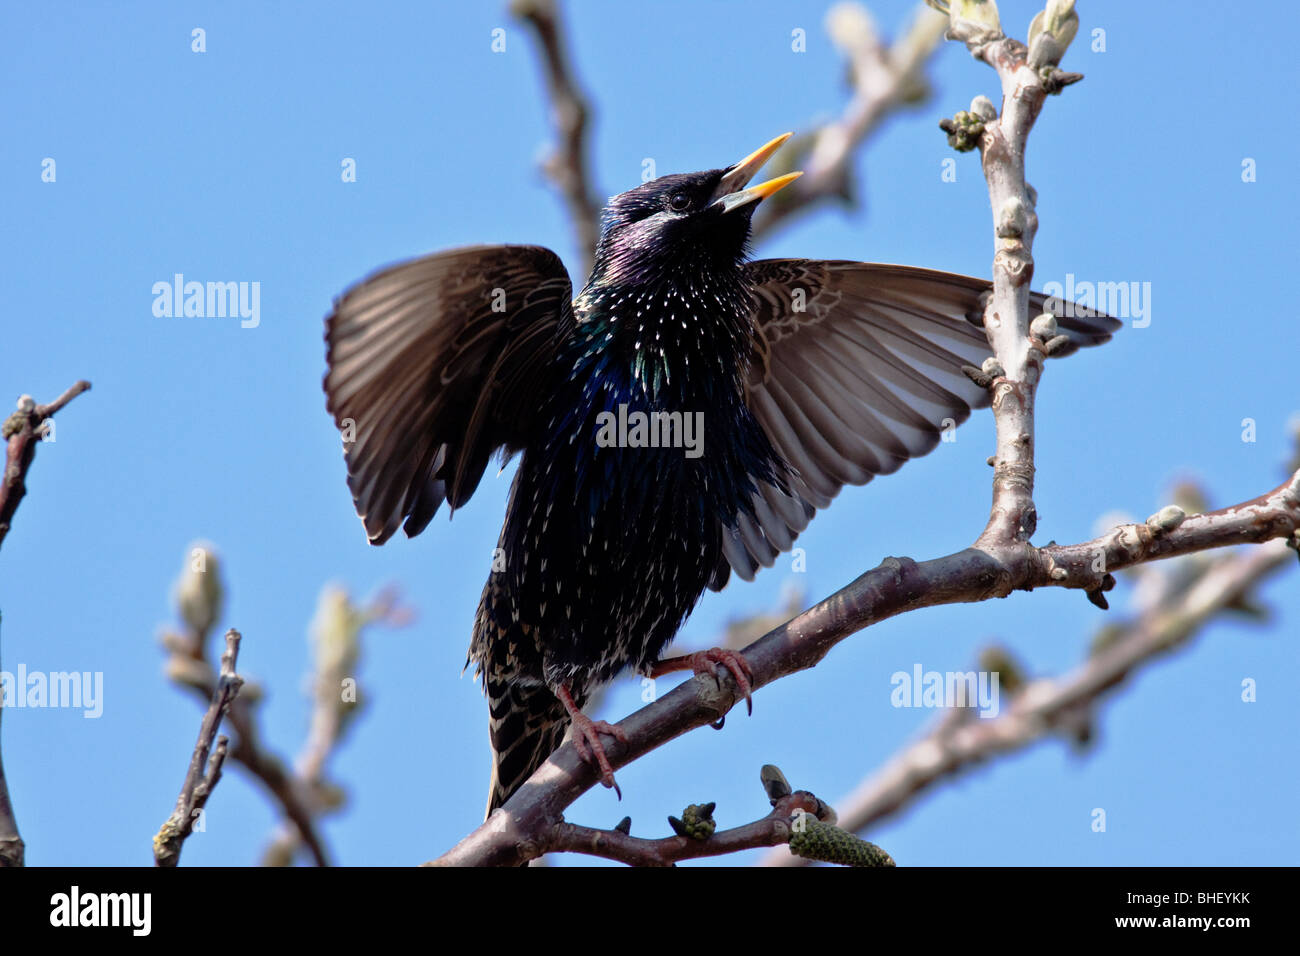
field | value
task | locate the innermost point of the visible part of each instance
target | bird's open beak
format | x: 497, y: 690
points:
x: 731, y: 192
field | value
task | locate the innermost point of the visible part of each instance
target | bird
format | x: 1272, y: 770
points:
x: 680, y: 420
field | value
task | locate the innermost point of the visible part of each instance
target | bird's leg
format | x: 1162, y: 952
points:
x: 586, y: 738
x: 705, y: 662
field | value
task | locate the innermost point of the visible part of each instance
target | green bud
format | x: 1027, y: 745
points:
x: 199, y: 591
x: 1166, y: 519
x: 335, y: 633
x: 983, y: 107
x: 1043, y: 327
x: 1044, y: 51
x: 974, y: 22
x: 964, y: 130
x: 696, y: 823
x: 814, y: 840
x: 1061, y: 21
x: 13, y: 425
x: 1012, y: 219
x: 774, y: 782
x: 1050, y: 33
x: 997, y: 659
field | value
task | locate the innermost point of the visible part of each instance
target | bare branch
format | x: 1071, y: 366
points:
x: 512, y: 834
x: 1027, y: 77
x: 22, y: 431
x: 798, y: 818
x: 336, y: 702
x: 1040, y: 708
x: 567, y: 165
x: 303, y: 792
x: 772, y: 830
x: 204, y: 772
x: 270, y: 771
x: 199, y: 595
x: 12, y: 849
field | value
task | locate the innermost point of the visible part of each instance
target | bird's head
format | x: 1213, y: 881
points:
x: 686, y: 221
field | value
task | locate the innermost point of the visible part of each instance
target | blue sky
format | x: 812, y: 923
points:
x: 225, y: 166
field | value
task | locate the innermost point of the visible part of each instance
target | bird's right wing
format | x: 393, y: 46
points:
x: 433, y: 365
x: 858, y: 370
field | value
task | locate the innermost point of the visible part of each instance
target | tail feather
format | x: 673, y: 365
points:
x: 526, y: 725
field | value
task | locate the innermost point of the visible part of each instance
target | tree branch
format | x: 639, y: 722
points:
x: 12, y: 848
x: 798, y: 819
x: 303, y: 792
x: 567, y: 165
x: 1019, y: 357
x: 1040, y: 708
x: 336, y: 700
x: 265, y: 767
x: 513, y: 834
x: 1001, y: 560
x: 22, y: 431
x: 200, y: 780
x: 772, y: 830
x: 199, y: 596
x: 884, y: 80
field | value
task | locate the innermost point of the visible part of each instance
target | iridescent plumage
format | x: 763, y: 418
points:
x: 809, y: 375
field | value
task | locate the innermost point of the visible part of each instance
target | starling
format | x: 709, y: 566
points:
x: 682, y: 419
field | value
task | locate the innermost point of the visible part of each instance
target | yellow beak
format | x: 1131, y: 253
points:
x: 731, y: 192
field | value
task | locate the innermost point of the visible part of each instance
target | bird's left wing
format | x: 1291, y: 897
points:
x: 858, y: 369
x: 434, y: 364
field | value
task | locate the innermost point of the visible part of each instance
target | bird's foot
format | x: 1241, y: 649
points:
x: 706, y: 662
x: 586, y: 739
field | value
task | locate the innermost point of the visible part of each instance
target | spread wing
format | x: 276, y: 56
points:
x: 434, y: 364
x: 859, y: 370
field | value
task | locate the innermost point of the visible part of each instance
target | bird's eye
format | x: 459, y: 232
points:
x: 679, y: 202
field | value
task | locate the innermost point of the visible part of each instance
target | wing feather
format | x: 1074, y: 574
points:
x: 433, y: 366
x: 857, y: 370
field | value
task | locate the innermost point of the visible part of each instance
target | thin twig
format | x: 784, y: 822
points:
x: 303, y: 792
x: 567, y: 166
x: 22, y: 431
x: 12, y: 848
x: 884, y: 81
x: 199, y: 596
x: 268, y: 769
x: 336, y: 702
x: 771, y: 830
x: 204, y: 771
